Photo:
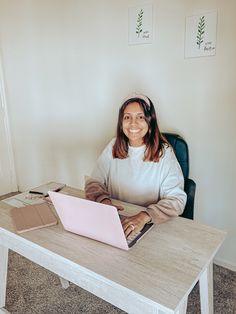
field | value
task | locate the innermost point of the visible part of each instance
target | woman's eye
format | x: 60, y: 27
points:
x: 126, y: 118
x: 141, y: 117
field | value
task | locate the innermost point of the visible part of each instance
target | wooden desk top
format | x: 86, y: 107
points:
x: 163, y: 267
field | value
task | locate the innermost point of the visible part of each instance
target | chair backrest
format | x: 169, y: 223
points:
x: 181, y: 151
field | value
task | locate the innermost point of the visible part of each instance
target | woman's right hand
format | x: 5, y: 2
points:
x: 107, y: 201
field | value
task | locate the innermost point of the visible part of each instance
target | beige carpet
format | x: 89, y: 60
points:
x: 32, y: 289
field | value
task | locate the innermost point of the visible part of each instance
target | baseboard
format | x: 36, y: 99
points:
x: 225, y: 264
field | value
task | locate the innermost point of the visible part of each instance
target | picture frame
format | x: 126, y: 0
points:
x: 140, y: 24
x: 200, y: 35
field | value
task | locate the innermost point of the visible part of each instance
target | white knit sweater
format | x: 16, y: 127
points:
x: 158, y: 186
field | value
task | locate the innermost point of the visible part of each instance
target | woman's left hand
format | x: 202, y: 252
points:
x: 134, y: 224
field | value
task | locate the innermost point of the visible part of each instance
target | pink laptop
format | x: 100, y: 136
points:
x: 93, y: 220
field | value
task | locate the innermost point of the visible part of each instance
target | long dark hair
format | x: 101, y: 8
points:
x: 153, y: 139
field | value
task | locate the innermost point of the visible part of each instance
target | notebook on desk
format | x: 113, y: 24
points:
x: 32, y: 217
x: 93, y: 220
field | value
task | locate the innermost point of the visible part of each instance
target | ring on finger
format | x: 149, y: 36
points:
x: 132, y: 226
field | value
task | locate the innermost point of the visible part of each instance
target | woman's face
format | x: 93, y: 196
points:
x: 134, y: 124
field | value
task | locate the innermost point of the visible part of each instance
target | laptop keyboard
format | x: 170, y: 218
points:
x: 133, y: 237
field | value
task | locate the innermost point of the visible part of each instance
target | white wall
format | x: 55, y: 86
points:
x: 68, y: 66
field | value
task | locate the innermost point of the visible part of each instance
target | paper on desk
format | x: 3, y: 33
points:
x: 26, y: 198
x: 23, y: 199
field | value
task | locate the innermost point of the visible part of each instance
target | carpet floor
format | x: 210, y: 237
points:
x: 31, y: 289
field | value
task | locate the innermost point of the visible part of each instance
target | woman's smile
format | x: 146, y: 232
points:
x: 134, y: 124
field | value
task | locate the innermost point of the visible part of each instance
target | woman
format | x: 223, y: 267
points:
x: 139, y: 167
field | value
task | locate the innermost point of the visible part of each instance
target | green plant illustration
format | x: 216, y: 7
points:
x: 200, y: 31
x: 139, y: 23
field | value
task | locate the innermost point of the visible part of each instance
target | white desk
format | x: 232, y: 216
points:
x: 155, y: 276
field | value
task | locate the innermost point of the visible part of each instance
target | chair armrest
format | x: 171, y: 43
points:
x: 189, y: 188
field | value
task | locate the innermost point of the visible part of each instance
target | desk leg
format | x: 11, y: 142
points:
x: 3, y: 274
x: 65, y: 283
x: 206, y: 290
x: 3, y: 311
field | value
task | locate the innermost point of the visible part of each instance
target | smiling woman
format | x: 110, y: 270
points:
x: 134, y: 124
x: 139, y: 167
x: 137, y: 126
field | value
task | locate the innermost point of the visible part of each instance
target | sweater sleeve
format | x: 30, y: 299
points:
x: 172, y: 196
x: 96, y: 185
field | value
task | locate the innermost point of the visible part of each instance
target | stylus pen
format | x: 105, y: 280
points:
x: 41, y: 193
x: 36, y: 192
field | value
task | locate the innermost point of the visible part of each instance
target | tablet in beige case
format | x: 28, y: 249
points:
x: 32, y: 217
